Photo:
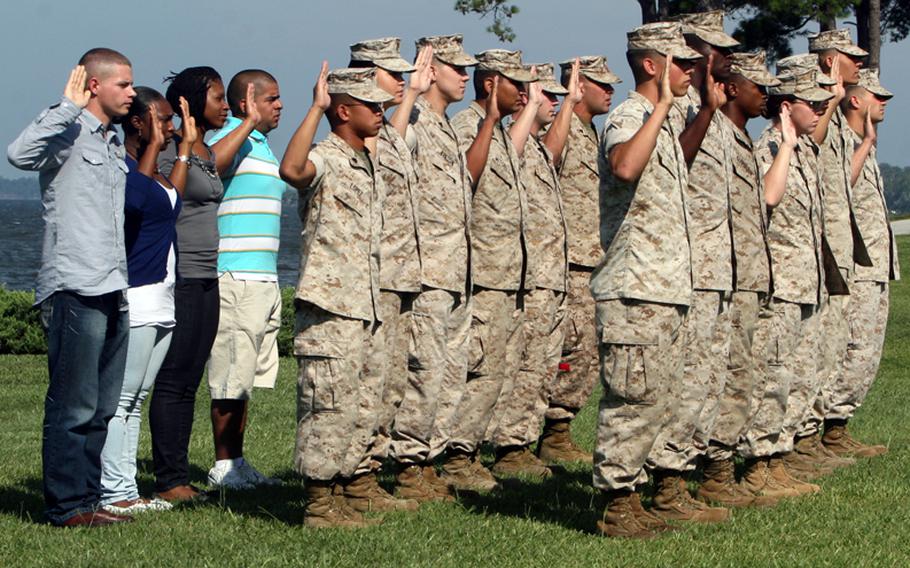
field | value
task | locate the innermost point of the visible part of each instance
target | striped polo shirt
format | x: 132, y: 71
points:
x: 249, y: 218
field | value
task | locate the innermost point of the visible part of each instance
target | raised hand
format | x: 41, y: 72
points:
x: 535, y: 92
x: 421, y: 78
x: 666, y: 92
x: 838, y: 87
x: 712, y: 91
x: 575, y: 88
x: 75, y: 87
x: 869, y: 132
x: 787, y: 129
x: 156, y: 134
x: 321, y: 98
x: 492, y: 104
x: 251, y: 110
x: 188, y: 132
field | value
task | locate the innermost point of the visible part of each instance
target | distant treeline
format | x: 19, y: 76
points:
x: 897, y: 188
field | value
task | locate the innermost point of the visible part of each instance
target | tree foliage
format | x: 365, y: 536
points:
x: 500, y: 10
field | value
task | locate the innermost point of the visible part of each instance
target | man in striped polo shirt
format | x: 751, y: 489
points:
x: 245, y: 353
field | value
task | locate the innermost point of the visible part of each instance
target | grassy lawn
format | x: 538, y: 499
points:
x: 861, y: 518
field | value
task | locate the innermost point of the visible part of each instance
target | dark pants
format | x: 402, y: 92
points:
x: 86, y: 356
x: 196, y: 307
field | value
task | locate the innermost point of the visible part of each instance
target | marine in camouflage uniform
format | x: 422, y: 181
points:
x: 437, y: 357
x: 524, y: 398
x: 642, y: 286
x: 746, y: 91
x: 867, y: 308
x: 500, y: 267
x: 578, y: 180
x: 337, y: 303
x: 787, y: 336
x: 708, y: 202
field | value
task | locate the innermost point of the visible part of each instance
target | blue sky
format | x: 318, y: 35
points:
x: 42, y: 40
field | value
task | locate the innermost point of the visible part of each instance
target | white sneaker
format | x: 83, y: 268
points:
x: 140, y: 505
x: 254, y: 476
x: 229, y: 478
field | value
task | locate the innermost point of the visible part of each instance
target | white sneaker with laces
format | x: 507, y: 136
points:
x: 229, y: 478
x: 254, y: 476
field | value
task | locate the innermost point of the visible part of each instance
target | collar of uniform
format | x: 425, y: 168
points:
x: 586, y: 129
x: 741, y: 137
x: 233, y: 122
x: 477, y: 108
x: 423, y: 107
x: 642, y: 100
x: 353, y: 155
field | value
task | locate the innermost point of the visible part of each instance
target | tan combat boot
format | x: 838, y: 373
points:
x: 646, y: 518
x: 778, y: 471
x: 323, y: 510
x: 757, y: 480
x: 364, y: 494
x: 556, y: 445
x: 415, y: 484
x: 620, y: 519
x: 672, y: 502
x: 720, y: 485
x: 803, y: 463
x: 812, y: 445
x: 464, y: 472
x: 838, y: 441
x: 519, y: 460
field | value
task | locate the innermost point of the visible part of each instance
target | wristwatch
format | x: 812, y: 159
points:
x: 184, y: 159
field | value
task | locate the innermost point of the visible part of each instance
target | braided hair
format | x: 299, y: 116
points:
x: 144, y: 98
x: 192, y: 84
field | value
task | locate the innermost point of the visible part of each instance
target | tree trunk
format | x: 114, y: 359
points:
x: 826, y: 23
x: 869, y: 31
x: 654, y: 10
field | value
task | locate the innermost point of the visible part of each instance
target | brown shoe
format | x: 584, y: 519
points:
x: 519, y: 461
x: 778, y: 471
x: 181, y: 494
x: 413, y: 483
x: 324, y: 509
x: 99, y: 518
x: 812, y: 449
x: 556, y: 444
x: 437, y: 483
x: 464, y: 472
x: 720, y: 485
x: 672, y: 502
x: 646, y: 518
x: 757, y: 480
x: 619, y: 518
x: 838, y: 441
x: 364, y: 494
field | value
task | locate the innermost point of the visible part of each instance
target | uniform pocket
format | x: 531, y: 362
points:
x: 316, y: 384
x: 630, y: 373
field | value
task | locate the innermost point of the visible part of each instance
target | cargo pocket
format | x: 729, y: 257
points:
x: 476, y: 350
x: 319, y: 362
x: 630, y: 368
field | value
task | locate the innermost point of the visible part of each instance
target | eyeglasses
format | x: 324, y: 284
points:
x: 816, y: 106
x: 375, y: 107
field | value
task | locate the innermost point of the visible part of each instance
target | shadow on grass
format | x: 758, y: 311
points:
x: 24, y: 499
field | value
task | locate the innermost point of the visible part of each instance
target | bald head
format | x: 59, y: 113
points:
x: 237, y: 87
x: 100, y: 62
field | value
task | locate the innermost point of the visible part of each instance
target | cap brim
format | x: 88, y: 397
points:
x: 761, y: 78
x: 553, y: 87
x: 604, y: 77
x: 520, y: 76
x: 396, y: 65
x: 814, y: 95
x: 853, y: 50
x: 880, y: 91
x: 370, y: 95
x: 457, y: 59
x: 825, y: 80
x: 717, y: 39
x: 685, y: 53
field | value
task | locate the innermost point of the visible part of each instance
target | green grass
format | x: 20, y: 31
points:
x: 861, y: 518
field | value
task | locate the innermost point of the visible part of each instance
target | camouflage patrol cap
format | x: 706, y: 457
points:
x: 804, y: 62
x: 708, y: 27
x: 802, y: 84
x: 752, y: 65
x: 384, y: 52
x: 594, y: 67
x: 545, y: 79
x: 506, y: 63
x: 836, y: 39
x: 448, y: 49
x: 358, y: 83
x: 868, y: 79
x: 663, y: 37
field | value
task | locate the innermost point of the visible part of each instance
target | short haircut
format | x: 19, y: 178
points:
x: 144, y: 98
x: 99, y: 60
x: 192, y: 84
x: 850, y: 91
x: 236, y: 90
x: 481, y: 75
x: 636, y: 58
x: 823, y: 54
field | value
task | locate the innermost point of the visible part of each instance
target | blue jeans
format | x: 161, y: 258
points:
x: 87, y: 340
x: 148, y: 346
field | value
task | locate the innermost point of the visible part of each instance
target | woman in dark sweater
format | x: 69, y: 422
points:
x: 152, y: 204
x: 196, y: 298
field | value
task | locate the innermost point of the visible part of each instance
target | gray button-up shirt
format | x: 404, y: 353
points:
x: 83, y: 178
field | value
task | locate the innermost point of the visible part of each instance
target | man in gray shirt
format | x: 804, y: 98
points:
x: 82, y: 280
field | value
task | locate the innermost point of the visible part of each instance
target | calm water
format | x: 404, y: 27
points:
x: 21, y: 230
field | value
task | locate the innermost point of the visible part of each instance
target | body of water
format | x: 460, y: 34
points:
x: 21, y: 232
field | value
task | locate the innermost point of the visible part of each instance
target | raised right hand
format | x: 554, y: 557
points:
x: 787, y: 129
x: 421, y: 78
x: 666, y: 93
x: 321, y: 98
x: 188, y: 132
x: 492, y: 104
x: 75, y: 87
x: 156, y: 134
x: 575, y: 88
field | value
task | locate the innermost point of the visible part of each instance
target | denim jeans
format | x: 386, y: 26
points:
x: 148, y: 346
x: 87, y: 338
